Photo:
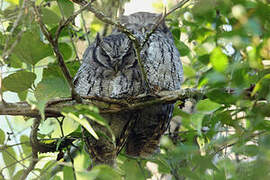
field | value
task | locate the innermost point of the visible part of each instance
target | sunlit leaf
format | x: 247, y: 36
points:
x: 14, y: 1
x: 196, y: 120
x: 18, y: 175
x: 49, y: 88
x: 68, y: 173
x: 26, y: 144
x: 259, y: 84
x: 10, y: 157
x: 188, y: 71
x: 219, y: 60
x: 84, y: 122
x: 207, y: 106
x: 102, y: 172
x: 2, y: 136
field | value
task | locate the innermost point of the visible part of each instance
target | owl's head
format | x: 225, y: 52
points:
x: 115, y: 52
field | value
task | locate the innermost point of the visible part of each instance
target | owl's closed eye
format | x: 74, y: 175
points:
x: 115, y: 53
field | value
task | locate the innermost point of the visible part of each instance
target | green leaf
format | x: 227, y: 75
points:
x: 2, y: 136
x: 207, y: 106
x: 176, y: 33
x: 163, y: 166
x: 248, y: 150
x: 188, y: 71
x: 31, y: 49
x: 18, y: 175
x: 83, y: 122
x: 19, y: 81
x: 16, y: 2
x: 49, y: 88
x: 52, y: 87
x: 22, y: 95
x: 67, y: 7
x: 26, y: 144
x: 101, y: 172
x: 9, y: 157
x: 204, y: 59
x: 219, y: 60
x: 258, y: 85
x: 55, y: 70
x: 221, y: 97
x: 68, y: 173
x: 100, y: 120
x: 66, y: 50
x: 196, y: 120
x: 49, y: 17
x: 133, y: 171
x: 182, y: 48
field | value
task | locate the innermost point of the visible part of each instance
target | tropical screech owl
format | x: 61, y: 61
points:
x: 110, y: 69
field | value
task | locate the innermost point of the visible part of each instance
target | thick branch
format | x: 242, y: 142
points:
x: 105, y: 105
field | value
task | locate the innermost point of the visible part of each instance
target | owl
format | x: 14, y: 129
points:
x: 110, y: 69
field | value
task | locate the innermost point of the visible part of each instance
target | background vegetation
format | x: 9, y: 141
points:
x: 224, y: 134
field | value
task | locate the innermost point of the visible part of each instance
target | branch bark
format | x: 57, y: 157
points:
x: 105, y: 105
x: 54, y: 43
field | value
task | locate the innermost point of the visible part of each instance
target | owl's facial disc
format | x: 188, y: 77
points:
x: 116, y: 51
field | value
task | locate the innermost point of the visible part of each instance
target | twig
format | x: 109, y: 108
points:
x: 6, y: 52
x: 60, y: 122
x: 17, y: 161
x: 1, y: 93
x: 54, y: 44
x: 85, y: 29
x: 161, y: 19
x: 69, y: 32
x: 33, y: 141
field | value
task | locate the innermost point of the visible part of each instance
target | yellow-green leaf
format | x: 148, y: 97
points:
x: 219, y: 60
x: 83, y: 122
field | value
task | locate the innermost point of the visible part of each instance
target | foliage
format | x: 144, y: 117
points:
x: 225, y: 49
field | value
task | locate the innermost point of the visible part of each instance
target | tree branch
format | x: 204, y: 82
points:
x: 54, y: 44
x: 105, y: 105
x: 33, y: 141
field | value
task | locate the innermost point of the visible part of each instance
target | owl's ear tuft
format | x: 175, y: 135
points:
x: 98, y: 39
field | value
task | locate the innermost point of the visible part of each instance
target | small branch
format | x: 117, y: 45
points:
x: 85, y: 29
x: 8, y: 50
x: 54, y: 44
x: 63, y: 24
x: 161, y: 19
x: 33, y: 141
x: 16, y: 162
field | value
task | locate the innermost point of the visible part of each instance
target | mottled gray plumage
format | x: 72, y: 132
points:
x: 110, y: 69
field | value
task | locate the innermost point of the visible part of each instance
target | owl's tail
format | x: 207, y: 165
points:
x: 153, y: 122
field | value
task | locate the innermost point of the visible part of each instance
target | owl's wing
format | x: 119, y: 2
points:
x: 84, y: 78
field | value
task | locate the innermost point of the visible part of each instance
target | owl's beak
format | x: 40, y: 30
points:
x: 116, y: 68
x: 116, y: 65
